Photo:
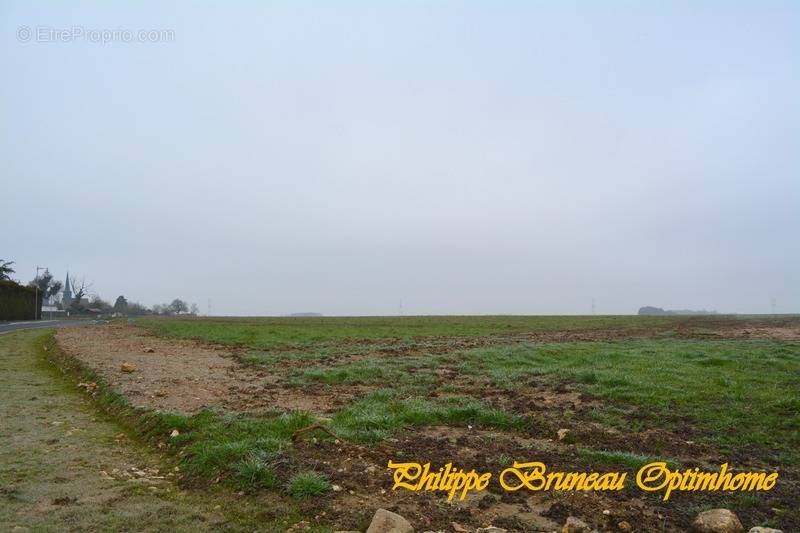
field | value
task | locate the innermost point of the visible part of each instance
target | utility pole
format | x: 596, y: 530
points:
x: 36, y: 286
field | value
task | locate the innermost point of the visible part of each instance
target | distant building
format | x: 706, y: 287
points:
x: 50, y: 311
x: 66, y: 297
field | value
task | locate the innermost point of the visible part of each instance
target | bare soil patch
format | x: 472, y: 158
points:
x: 186, y: 376
x: 780, y: 329
x: 366, y: 484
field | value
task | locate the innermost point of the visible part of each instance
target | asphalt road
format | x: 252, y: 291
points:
x: 6, y: 327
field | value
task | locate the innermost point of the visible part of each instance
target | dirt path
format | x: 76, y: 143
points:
x: 64, y: 467
x: 184, y: 375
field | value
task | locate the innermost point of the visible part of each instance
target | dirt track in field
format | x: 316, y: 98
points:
x: 187, y: 376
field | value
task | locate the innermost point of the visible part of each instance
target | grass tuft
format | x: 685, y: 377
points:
x: 308, y: 484
x: 255, y: 471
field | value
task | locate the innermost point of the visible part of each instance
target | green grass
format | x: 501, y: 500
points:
x: 256, y: 470
x: 366, y: 372
x: 265, y: 333
x: 401, y: 371
x: 738, y: 393
x: 629, y: 460
x: 310, y: 353
x: 716, y: 385
x: 308, y: 484
x: 382, y: 413
x: 244, y: 448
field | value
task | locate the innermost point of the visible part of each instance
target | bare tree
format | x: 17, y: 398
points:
x: 79, y: 289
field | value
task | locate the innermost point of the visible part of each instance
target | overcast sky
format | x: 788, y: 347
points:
x: 458, y: 157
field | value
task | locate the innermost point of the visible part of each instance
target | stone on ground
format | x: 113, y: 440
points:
x: 717, y: 521
x: 575, y: 525
x: 388, y: 522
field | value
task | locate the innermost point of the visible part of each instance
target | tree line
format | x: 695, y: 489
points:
x: 84, y: 303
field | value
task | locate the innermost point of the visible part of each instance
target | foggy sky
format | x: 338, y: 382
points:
x: 458, y: 157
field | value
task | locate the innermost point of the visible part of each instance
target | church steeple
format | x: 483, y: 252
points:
x: 66, y: 298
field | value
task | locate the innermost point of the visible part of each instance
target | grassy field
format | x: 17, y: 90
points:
x: 741, y: 392
x: 310, y: 331
x: 690, y: 391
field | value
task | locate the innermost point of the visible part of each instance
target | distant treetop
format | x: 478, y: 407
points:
x: 5, y: 269
x: 651, y: 311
